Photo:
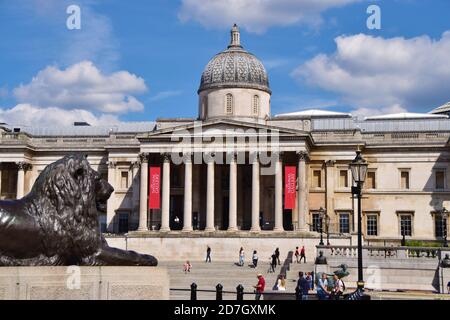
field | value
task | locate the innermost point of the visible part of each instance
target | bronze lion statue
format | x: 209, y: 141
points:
x: 57, y: 222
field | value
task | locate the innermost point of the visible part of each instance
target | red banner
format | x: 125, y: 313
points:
x: 290, y: 176
x: 154, y: 188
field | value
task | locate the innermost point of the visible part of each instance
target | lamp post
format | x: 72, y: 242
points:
x: 327, y: 222
x: 321, y: 216
x: 444, y: 218
x: 359, y: 170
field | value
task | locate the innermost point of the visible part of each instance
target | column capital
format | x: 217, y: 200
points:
x: 209, y: 157
x: 23, y: 166
x: 144, y: 157
x: 302, y: 155
x: 330, y: 163
x: 135, y: 165
x: 111, y: 164
x: 187, y: 157
x: 166, y: 156
x: 231, y: 155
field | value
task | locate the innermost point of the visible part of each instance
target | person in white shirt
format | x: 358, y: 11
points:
x: 338, y: 289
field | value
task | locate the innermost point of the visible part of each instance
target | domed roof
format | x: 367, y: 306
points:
x: 235, y: 68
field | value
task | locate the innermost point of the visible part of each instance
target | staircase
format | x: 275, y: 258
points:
x: 208, y: 275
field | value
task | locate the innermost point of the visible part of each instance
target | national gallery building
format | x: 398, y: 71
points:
x: 225, y: 171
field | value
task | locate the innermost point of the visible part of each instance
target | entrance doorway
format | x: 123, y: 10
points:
x: 225, y: 212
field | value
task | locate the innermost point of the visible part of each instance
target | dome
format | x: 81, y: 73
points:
x: 235, y: 68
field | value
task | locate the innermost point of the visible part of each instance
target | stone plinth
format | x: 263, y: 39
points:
x: 84, y: 283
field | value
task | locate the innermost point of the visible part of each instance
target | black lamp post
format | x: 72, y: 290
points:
x: 444, y: 217
x: 359, y: 170
x: 327, y: 222
x: 321, y: 216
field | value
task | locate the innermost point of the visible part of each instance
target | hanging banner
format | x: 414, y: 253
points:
x: 290, y: 176
x: 154, y: 188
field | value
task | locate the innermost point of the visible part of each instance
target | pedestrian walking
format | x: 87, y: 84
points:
x: 255, y: 259
x: 241, y: 257
x: 208, y: 254
x: 302, y: 254
x: 187, y: 267
x: 259, y: 288
x: 273, y: 263
x: 297, y: 255
x: 277, y: 254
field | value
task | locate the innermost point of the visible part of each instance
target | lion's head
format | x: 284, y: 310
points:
x: 65, y: 198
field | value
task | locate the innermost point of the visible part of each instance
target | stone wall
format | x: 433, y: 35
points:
x: 224, y: 248
x: 84, y: 283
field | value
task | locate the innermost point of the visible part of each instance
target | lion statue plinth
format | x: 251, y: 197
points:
x: 57, y: 222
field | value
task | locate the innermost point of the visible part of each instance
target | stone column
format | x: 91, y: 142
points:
x: 21, y: 167
x: 255, y: 194
x: 232, y: 220
x: 135, y: 187
x: 187, y: 220
x: 165, y: 206
x: 278, y: 194
x: 303, y: 207
x: 110, y: 206
x: 210, y: 196
x: 329, y: 191
x: 143, y: 193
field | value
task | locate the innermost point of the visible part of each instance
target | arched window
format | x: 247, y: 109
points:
x: 255, y: 105
x: 229, y: 103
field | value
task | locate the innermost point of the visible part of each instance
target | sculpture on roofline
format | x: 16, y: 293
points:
x: 57, y: 222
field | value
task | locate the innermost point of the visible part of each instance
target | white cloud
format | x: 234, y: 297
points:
x: 165, y: 94
x: 257, y: 15
x: 83, y: 86
x: 29, y: 115
x: 373, y: 72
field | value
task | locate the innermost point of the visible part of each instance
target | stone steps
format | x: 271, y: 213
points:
x: 208, y: 275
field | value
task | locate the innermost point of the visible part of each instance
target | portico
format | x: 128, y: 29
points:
x: 208, y: 186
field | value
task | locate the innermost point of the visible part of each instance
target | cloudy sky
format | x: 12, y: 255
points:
x: 139, y: 60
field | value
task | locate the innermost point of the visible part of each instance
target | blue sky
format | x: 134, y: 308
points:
x: 140, y: 60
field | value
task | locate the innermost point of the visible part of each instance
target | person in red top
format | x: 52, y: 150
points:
x: 302, y: 254
x: 260, y: 286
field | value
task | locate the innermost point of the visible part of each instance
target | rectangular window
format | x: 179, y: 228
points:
x: 404, y: 177
x: 124, y: 180
x: 343, y: 179
x: 440, y: 179
x: 370, y: 180
x: 372, y: 225
x: 317, y: 179
x: 315, y: 222
x: 344, y: 223
x: 406, y: 224
x: 440, y: 226
x: 123, y: 222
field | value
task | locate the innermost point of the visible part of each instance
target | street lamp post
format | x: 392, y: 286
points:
x: 321, y: 216
x: 359, y: 170
x: 327, y: 222
x: 444, y: 217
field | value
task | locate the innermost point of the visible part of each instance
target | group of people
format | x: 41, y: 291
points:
x: 305, y: 284
x: 300, y: 254
x: 328, y: 291
x: 242, y: 258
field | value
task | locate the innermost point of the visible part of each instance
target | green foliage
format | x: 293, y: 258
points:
x: 425, y: 244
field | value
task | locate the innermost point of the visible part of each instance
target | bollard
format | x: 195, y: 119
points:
x: 193, y: 291
x: 240, y: 292
x: 219, y: 290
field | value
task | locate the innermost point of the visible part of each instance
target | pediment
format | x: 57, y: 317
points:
x: 222, y: 127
